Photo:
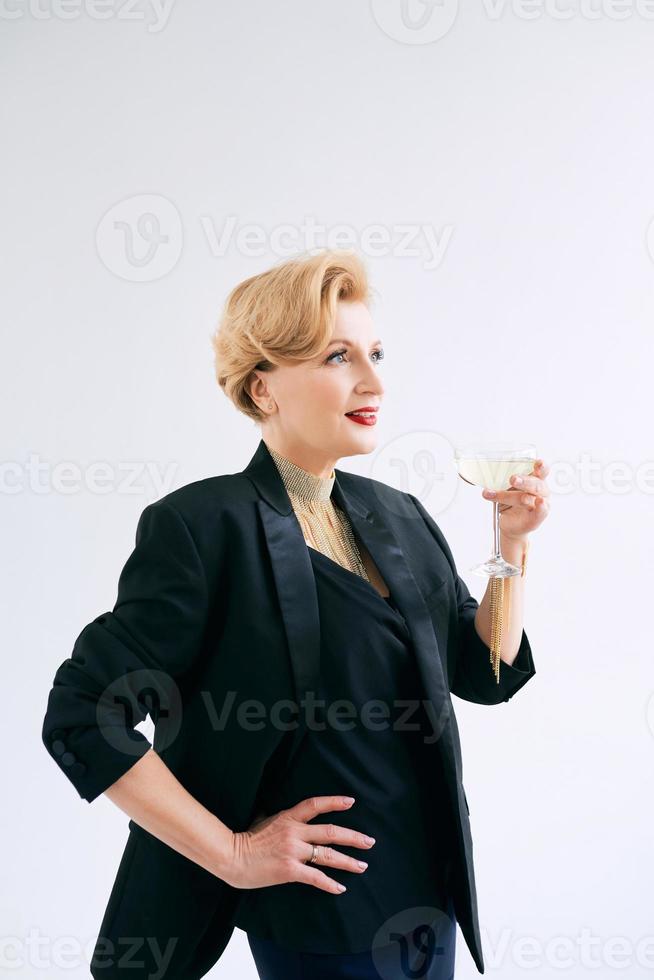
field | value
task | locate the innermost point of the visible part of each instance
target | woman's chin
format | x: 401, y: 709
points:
x: 363, y: 442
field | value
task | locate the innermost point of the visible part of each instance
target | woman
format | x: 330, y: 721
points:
x: 253, y: 604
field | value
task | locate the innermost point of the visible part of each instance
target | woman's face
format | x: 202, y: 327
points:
x: 309, y: 424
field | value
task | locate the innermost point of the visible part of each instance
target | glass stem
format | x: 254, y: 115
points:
x: 496, y: 531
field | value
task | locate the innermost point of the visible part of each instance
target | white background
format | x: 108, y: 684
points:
x: 521, y: 138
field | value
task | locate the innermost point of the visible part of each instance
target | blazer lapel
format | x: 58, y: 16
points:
x: 292, y: 571
x: 296, y: 590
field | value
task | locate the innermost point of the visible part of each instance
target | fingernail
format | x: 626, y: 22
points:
x: 490, y: 493
x: 348, y: 799
x: 518, y: 481
x: 362, y: 864
x: 369, y: 840
x: 341, y: 888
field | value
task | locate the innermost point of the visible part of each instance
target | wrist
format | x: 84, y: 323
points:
x: 520, y: 538
x: 514, y: 549
x: 221, y: 851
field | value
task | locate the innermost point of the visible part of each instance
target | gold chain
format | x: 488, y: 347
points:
x: 500, y: 611
x: 322, y: 522
x: 496, y: 604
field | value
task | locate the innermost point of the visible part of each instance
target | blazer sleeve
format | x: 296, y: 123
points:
x: 473, y: 678
x: 124, y: 664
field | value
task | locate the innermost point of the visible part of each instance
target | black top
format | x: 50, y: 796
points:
x: 369, y: 753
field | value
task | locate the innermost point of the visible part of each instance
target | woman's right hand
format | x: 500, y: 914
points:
x: 275, y: 848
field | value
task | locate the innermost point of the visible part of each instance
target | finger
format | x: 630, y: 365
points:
x: 531, y: 483
x: 510, y: 498
x: 330, y: 833
x: 313, y: 805
x: 542, y: 468
x: 336, y: 859
x: 311, y: 875
x: 539, y: 504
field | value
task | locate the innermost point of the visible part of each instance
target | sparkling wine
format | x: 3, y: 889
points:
x: 493, y: 473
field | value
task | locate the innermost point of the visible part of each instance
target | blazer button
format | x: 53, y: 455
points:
x: 77, y: 769
x: 68, y: 758
x: 58, y: 747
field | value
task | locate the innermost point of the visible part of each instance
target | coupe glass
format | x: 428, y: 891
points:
x: 491, y: 465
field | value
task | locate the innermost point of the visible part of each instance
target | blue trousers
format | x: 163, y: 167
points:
x: 428, y: 953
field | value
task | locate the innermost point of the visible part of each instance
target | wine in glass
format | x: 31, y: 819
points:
x: 491, y: 465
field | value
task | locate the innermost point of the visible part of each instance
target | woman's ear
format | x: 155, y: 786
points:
x: 258, y: 390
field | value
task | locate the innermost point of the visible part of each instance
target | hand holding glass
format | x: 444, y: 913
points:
x: 492, y: 465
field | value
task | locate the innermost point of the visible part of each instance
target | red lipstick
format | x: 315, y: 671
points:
x: 364, y: 416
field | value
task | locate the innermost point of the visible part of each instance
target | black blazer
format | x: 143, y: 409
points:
x: 215, y: 624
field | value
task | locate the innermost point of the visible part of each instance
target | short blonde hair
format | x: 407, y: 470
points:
x: 286, y: 313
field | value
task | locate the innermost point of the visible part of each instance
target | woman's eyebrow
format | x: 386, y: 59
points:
x: 342, y: 340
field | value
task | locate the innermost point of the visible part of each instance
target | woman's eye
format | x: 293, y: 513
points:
x: 342, y: 353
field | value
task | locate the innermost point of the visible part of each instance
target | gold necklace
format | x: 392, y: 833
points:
x: 319, y: 517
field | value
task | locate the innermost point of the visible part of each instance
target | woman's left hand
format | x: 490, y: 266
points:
x: 525, y: 505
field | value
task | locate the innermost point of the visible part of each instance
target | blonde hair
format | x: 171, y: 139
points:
x: 286, y: 313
